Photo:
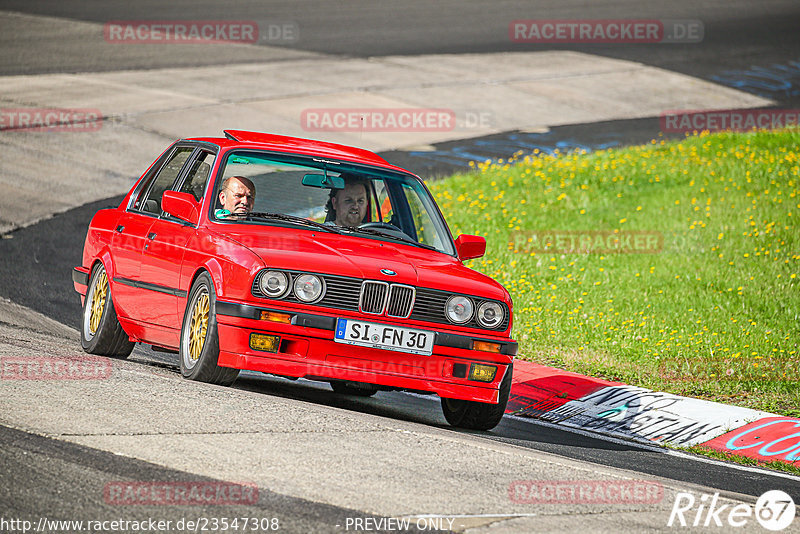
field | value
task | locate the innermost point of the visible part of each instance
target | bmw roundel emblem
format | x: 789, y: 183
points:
x: 388, y: 272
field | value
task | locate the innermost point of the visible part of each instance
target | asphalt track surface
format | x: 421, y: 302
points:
x: 62, y: 481
x: 36, y: 261
x: 737, y: 33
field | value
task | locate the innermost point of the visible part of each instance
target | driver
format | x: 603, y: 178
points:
x: 237, y: 197
x: 348, y: 206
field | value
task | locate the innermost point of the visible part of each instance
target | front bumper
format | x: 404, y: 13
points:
x: 80, y: 279
x: 307, y: 349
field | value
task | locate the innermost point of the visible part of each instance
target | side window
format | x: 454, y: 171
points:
x: 384, y: 204
x: 150, y: 202
x: 196, y: 179
x: 426, y: 231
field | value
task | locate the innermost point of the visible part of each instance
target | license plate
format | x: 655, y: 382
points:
x: 386, y: 337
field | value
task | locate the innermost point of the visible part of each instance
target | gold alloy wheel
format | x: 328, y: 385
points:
x: 99, y: 296
x: 198, y: 325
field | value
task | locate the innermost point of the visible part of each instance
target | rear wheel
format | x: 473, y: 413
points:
x: 358, y: 389
x: 478, y: 415
x: 199, y: 347
x: 101, y: 332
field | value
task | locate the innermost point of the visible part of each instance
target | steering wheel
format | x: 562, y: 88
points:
x: 380, y: 226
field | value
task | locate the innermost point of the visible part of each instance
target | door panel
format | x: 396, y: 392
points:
x: 161, y: 264
x: 126, y: 250
x: 165, y: 245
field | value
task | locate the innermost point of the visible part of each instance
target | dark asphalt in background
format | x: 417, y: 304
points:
x: 737, y: 33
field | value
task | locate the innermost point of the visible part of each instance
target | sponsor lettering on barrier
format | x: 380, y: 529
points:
x: 644, y: 414
x: 768, y: 439
x: 538, y: 389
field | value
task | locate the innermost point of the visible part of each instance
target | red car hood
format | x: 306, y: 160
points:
x: 362, y: 257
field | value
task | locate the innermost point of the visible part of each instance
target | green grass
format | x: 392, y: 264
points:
x: 713, y: 313
x: 777, y: 465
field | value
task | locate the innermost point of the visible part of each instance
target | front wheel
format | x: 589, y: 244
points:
x: 478, y: 415
x: 199, y: 346
x: 101, y: 332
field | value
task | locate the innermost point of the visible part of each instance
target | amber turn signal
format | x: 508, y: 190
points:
x: 276, y: 317
x: 485, y: 346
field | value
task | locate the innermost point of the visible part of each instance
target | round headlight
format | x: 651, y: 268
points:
x: 490, y: 314
x: 273, y: 283
x: 459, y: 309
x: 308, y: 287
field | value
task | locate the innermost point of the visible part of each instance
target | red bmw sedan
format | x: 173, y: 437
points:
x: 297, y: 258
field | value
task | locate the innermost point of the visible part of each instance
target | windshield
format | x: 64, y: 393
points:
x: 257, y: 187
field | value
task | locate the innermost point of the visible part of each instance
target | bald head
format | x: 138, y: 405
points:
x: 238, y: 195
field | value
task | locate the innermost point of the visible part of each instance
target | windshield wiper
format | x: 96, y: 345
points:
x: 293, y: 219
x: 404, y: 238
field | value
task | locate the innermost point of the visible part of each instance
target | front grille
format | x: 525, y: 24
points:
x: 401, y: 301
x: 373, y: 297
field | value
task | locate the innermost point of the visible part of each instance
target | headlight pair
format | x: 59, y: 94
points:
x: 306, y: 287
x: 460, y: 309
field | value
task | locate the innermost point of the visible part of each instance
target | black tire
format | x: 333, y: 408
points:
x: 478, y: 415
x: 101, y: 332
x: 357, y: 389
x: 199, y: 345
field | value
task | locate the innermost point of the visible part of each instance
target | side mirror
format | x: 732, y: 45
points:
x: 470, y: 247
x: 181, y: 205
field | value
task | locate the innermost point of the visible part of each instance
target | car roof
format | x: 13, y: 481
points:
x: 297, y: 145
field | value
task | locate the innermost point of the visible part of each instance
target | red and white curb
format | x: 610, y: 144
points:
x: 639, y: 414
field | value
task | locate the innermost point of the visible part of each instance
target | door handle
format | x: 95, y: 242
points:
x: 151, y: 236
x: 119, y: 229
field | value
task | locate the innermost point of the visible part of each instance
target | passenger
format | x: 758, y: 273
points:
x: 237, y: 197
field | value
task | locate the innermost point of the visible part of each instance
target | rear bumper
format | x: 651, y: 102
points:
x: 307, y: 349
